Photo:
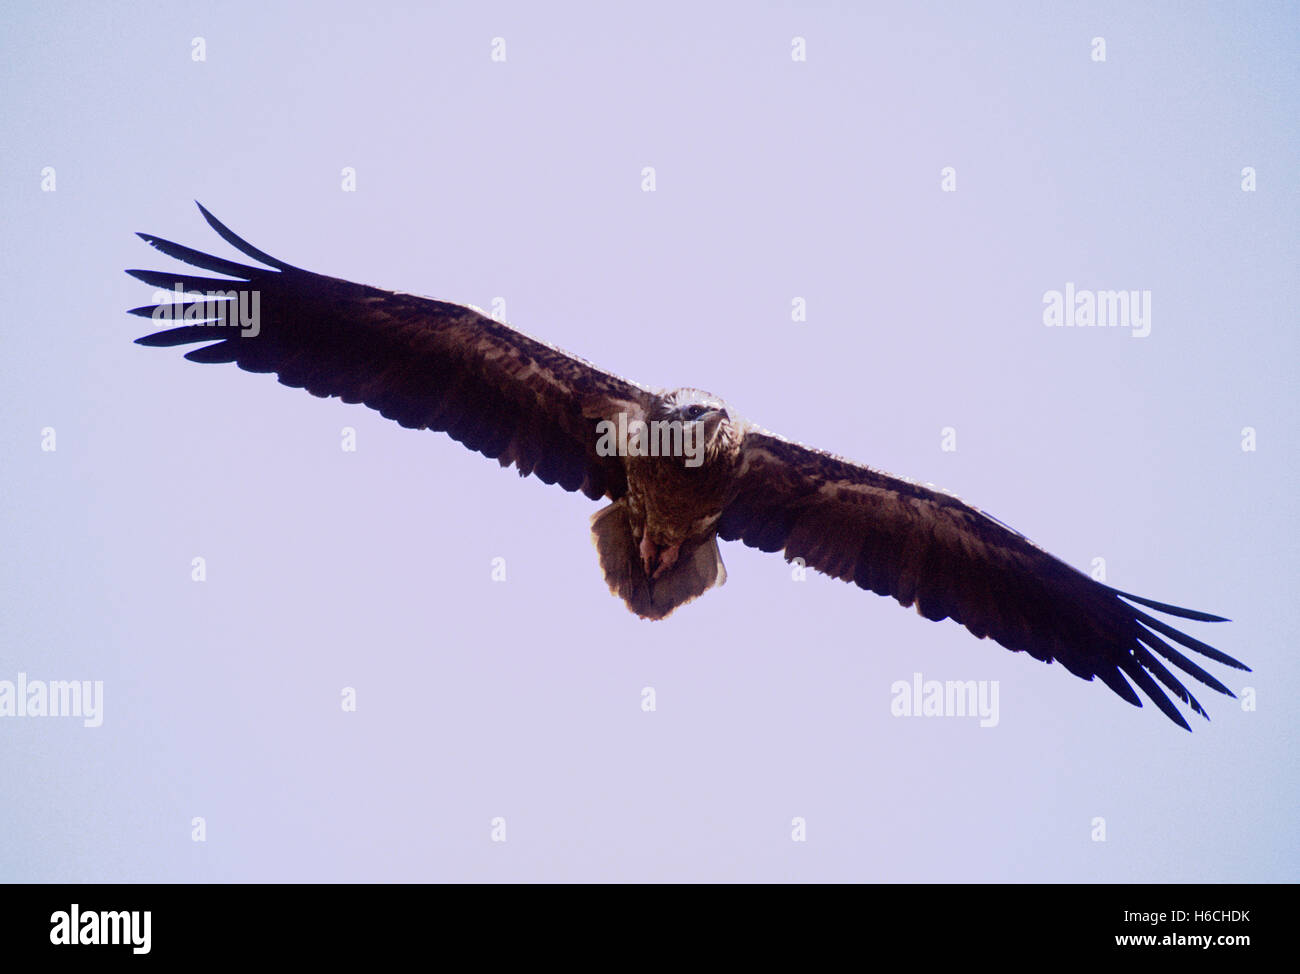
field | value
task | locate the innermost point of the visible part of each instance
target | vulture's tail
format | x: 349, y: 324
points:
x: 698, y: 567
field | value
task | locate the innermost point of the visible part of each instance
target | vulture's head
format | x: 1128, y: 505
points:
x: 720, y: 431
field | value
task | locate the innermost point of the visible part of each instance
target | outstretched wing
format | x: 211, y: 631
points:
x: 929, y: 549
x: 426, y: 364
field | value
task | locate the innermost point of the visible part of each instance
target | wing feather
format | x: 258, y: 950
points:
x: 423, y: 363
x: 929, y: 549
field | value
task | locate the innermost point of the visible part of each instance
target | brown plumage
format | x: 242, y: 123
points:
x: 434, y: 365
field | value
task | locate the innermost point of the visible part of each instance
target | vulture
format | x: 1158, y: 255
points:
x: 679, y: 469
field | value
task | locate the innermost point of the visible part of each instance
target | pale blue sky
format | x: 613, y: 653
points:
x: 522, y: 179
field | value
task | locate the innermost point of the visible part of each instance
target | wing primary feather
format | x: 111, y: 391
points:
x: 1191, y: 643
x: 1147, y: 685
x: 169, y: 281
x: 184, y: 335
x: 1161, y: 673
x: 239, y: 243
x: 1172, y: 610
x: 1113, y: 678
x: 199, y: 259
x: 221, y: 352
x: 1182, y: 662
x: 213, y: 310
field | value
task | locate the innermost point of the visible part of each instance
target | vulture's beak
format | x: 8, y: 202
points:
x: 712, y: 420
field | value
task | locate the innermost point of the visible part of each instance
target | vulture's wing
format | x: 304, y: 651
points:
x: 928, y: 548
x: 424, y: 363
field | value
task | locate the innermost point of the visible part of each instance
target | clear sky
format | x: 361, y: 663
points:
x: 522, y: 179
